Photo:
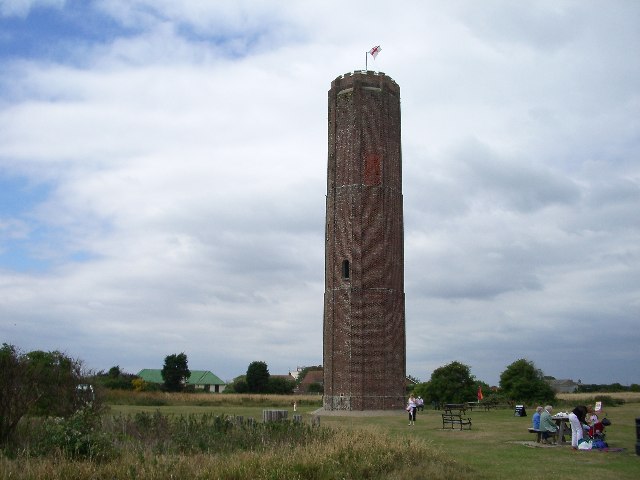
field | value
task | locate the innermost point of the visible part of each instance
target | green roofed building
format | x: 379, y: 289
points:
x: 202, y: 380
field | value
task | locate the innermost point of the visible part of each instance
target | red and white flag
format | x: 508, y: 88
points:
x: 375, y: 51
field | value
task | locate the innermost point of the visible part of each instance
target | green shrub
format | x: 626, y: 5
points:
x: 608, y: 401
x: 78, y: 437
x: 494, y: 399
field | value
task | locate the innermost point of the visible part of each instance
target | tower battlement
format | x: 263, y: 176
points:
x: 367, y: 77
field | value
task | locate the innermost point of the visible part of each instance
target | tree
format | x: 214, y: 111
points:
x: 237, y: 385
x: 39, y: 383
x: 175, y: 372
x: 116, y: 379
x: 315, y: 388
x: 281, y: 386
x: 55, y: 378
x: 523, y: 382
x: 15, y: 395
x: 452, y: 383
x: 258, y: 377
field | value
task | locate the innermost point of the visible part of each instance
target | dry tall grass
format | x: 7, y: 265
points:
x: 628, y: 397
x: 350, y: 454
x: 123, y: 397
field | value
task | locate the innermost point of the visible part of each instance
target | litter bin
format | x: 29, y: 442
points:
x: 520, y: 411
x: 637, y: 436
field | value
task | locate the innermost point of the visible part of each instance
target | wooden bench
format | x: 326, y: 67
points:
x: 455, y: 419
x: 540, y: 432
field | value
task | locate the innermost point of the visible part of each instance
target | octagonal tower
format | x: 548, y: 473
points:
x: 364, y: 321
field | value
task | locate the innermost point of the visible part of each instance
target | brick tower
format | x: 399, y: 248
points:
x: 364, y: 322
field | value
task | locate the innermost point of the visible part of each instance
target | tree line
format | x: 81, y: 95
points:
x: 519, y: 382
x: 175, y: 374
x: 54, y: 384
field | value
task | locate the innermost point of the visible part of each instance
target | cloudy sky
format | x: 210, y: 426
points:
x: 163, y: 179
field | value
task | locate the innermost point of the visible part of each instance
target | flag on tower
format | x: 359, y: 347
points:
x: 375, y: 51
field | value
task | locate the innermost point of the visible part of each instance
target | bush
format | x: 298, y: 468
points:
x: 122, y: 382
x: 494, y: 399
x: 608, y: 401
x: 238, y: 386
x: 139, y: 385
x: 78, y: 437
x: 281, y: 386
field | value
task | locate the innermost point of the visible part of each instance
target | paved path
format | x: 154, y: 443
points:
x: 358, y: 413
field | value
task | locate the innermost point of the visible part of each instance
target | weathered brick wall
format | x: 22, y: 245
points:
x: 364, y: 322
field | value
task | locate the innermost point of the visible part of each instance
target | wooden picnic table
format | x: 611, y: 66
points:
x: 471, y: 405
x: 459, y: 408
x: 564, y: 427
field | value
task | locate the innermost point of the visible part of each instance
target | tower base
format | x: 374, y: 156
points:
x: 369, y: 402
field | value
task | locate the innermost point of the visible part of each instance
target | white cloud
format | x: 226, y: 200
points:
x: 186, y: 163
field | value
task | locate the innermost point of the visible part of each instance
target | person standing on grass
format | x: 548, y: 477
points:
x: 577, y: 418
x: 411, y: 408
x: 547, y: 425
x: 535, y: 419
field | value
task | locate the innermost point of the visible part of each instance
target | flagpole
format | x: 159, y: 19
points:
x: 366, y: 59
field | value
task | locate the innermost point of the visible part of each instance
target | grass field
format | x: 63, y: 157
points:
x: 497, y: 447
x: 365, y: 446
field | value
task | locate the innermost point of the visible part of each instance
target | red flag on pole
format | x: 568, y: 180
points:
x: 375, y: 51
x: 480, y: 397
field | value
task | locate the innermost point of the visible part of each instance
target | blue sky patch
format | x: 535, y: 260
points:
x: 19, y: 195
x: 18, y: 258
x: 51, y: 33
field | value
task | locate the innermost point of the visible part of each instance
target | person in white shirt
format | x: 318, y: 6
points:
x: 411, y: 408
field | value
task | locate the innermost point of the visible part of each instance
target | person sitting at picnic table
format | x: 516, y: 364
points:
x: 535, y: 419
x: 420, y: 403
x: 592, y: 419
x: 547, y: 425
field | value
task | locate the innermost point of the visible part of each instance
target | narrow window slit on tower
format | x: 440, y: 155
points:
x: 346, y: 269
